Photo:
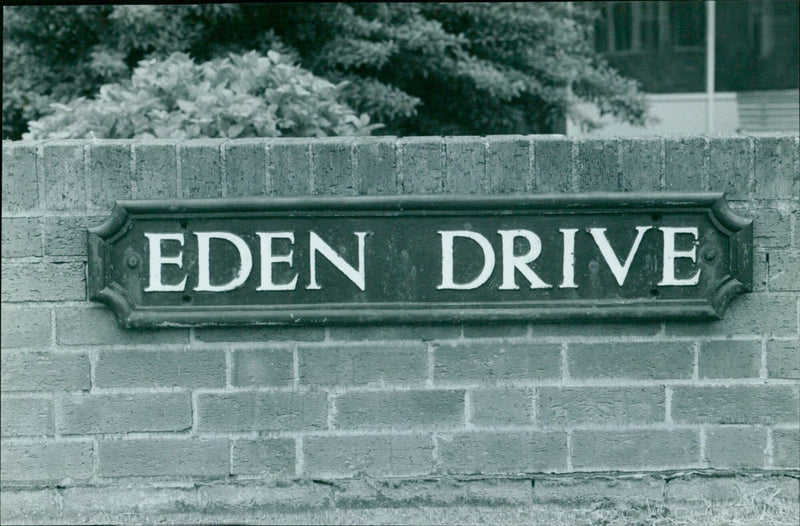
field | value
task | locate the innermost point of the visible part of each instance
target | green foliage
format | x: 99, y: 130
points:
x: 238, y: 96
x: 420, y: 68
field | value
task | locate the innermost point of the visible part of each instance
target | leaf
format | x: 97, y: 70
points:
x: 235, y: 130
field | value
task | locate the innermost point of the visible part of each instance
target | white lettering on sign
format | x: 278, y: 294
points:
x: 512, y: 262
x: 157, y: 260
x: 447, y: 260
x: 357, y: 276
x: 568, y: 269
x: 670, y: 255
x: 204, y: 278
x: 268, y: 259
x: 620, y: 271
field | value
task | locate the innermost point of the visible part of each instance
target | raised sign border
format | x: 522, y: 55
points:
x: 740, y: 279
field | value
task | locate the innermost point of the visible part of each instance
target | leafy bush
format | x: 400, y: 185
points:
x: 246, y: 95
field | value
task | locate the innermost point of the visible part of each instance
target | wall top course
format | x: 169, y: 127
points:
x: 766, y: 167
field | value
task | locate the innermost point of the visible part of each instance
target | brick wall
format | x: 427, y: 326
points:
x: 209, y: 417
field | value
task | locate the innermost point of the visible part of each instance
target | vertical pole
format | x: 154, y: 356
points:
x: 710, y: 63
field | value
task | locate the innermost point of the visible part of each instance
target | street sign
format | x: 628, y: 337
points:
x: 293, y: 261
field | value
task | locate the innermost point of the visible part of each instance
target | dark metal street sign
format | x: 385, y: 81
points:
x: 418, y: 259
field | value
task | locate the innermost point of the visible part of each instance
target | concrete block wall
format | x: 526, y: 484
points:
x: 201, y: 417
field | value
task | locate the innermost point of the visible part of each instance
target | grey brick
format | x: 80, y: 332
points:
x: 693, y: 489
x: 122, y: 499
x: 496, y: 361
x: 262, y: 367
x: 645, y: 360
x: 777, y: 170
x: 264, y: 456
x: 508, y: 163
x: 376, y: 331
x: 422, y: 164
x: 332, y: 166
x: 771, y: 225
x: 246, y: 167
x: 124, y: 413
x: 109, y: 177
x: 360, y: 364
x: 51, y: 281
x: 44, y: 371
x: 640, y: 168
x: 256, y: 497
x: 375, y: 165
x: 466, y: 165
x: 260, y: 334
x: 156, y: 169
x: 66, y: 236
x: 553, y: 164
x: 730, y: 359
x: 19, y: 179
x: 501, y: 407
x: 757, y: 404
x: 503, y: 453
x: 98, y: 326
x: 249, y: 411
x: 598, y: 165
x: 735, y: 448
x: 729, y: 166
x: 176, y: 457
x: 201, y: 168
x: 495, y: 330
x: 373, y: 456
x: 26, y: 416
x: 37, y: 505
x: 786, y: 448
x: 685, y: 164
x: 755, y: 313
x: 64, y: 176
x: 783, y: 359
x: 635, y: 449
x: 587, y: 328
x: 784, y: 271
x: 21, y: 237
x: 580, y: 491
x: 160, y: 368
x: 360, y: 493
x: 46, y: 462
x: 289, y: 167
x: 563, y: 407
x: 400, y: 409
x: 26, y: 327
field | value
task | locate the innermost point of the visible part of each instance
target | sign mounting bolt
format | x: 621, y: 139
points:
x: 710, y: 254
x: 133, y: 261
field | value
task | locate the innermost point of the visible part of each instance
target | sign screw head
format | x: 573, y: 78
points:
x: 133, y: 261
x: 710, y: 254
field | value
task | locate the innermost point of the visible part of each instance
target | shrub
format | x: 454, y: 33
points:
x: 242, y: 95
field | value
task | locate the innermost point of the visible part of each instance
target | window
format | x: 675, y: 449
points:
x: 627, y: 26
x: 648, y: 25
x: 688, y: 23
x: 623, y: 22
x: 645, y: 26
